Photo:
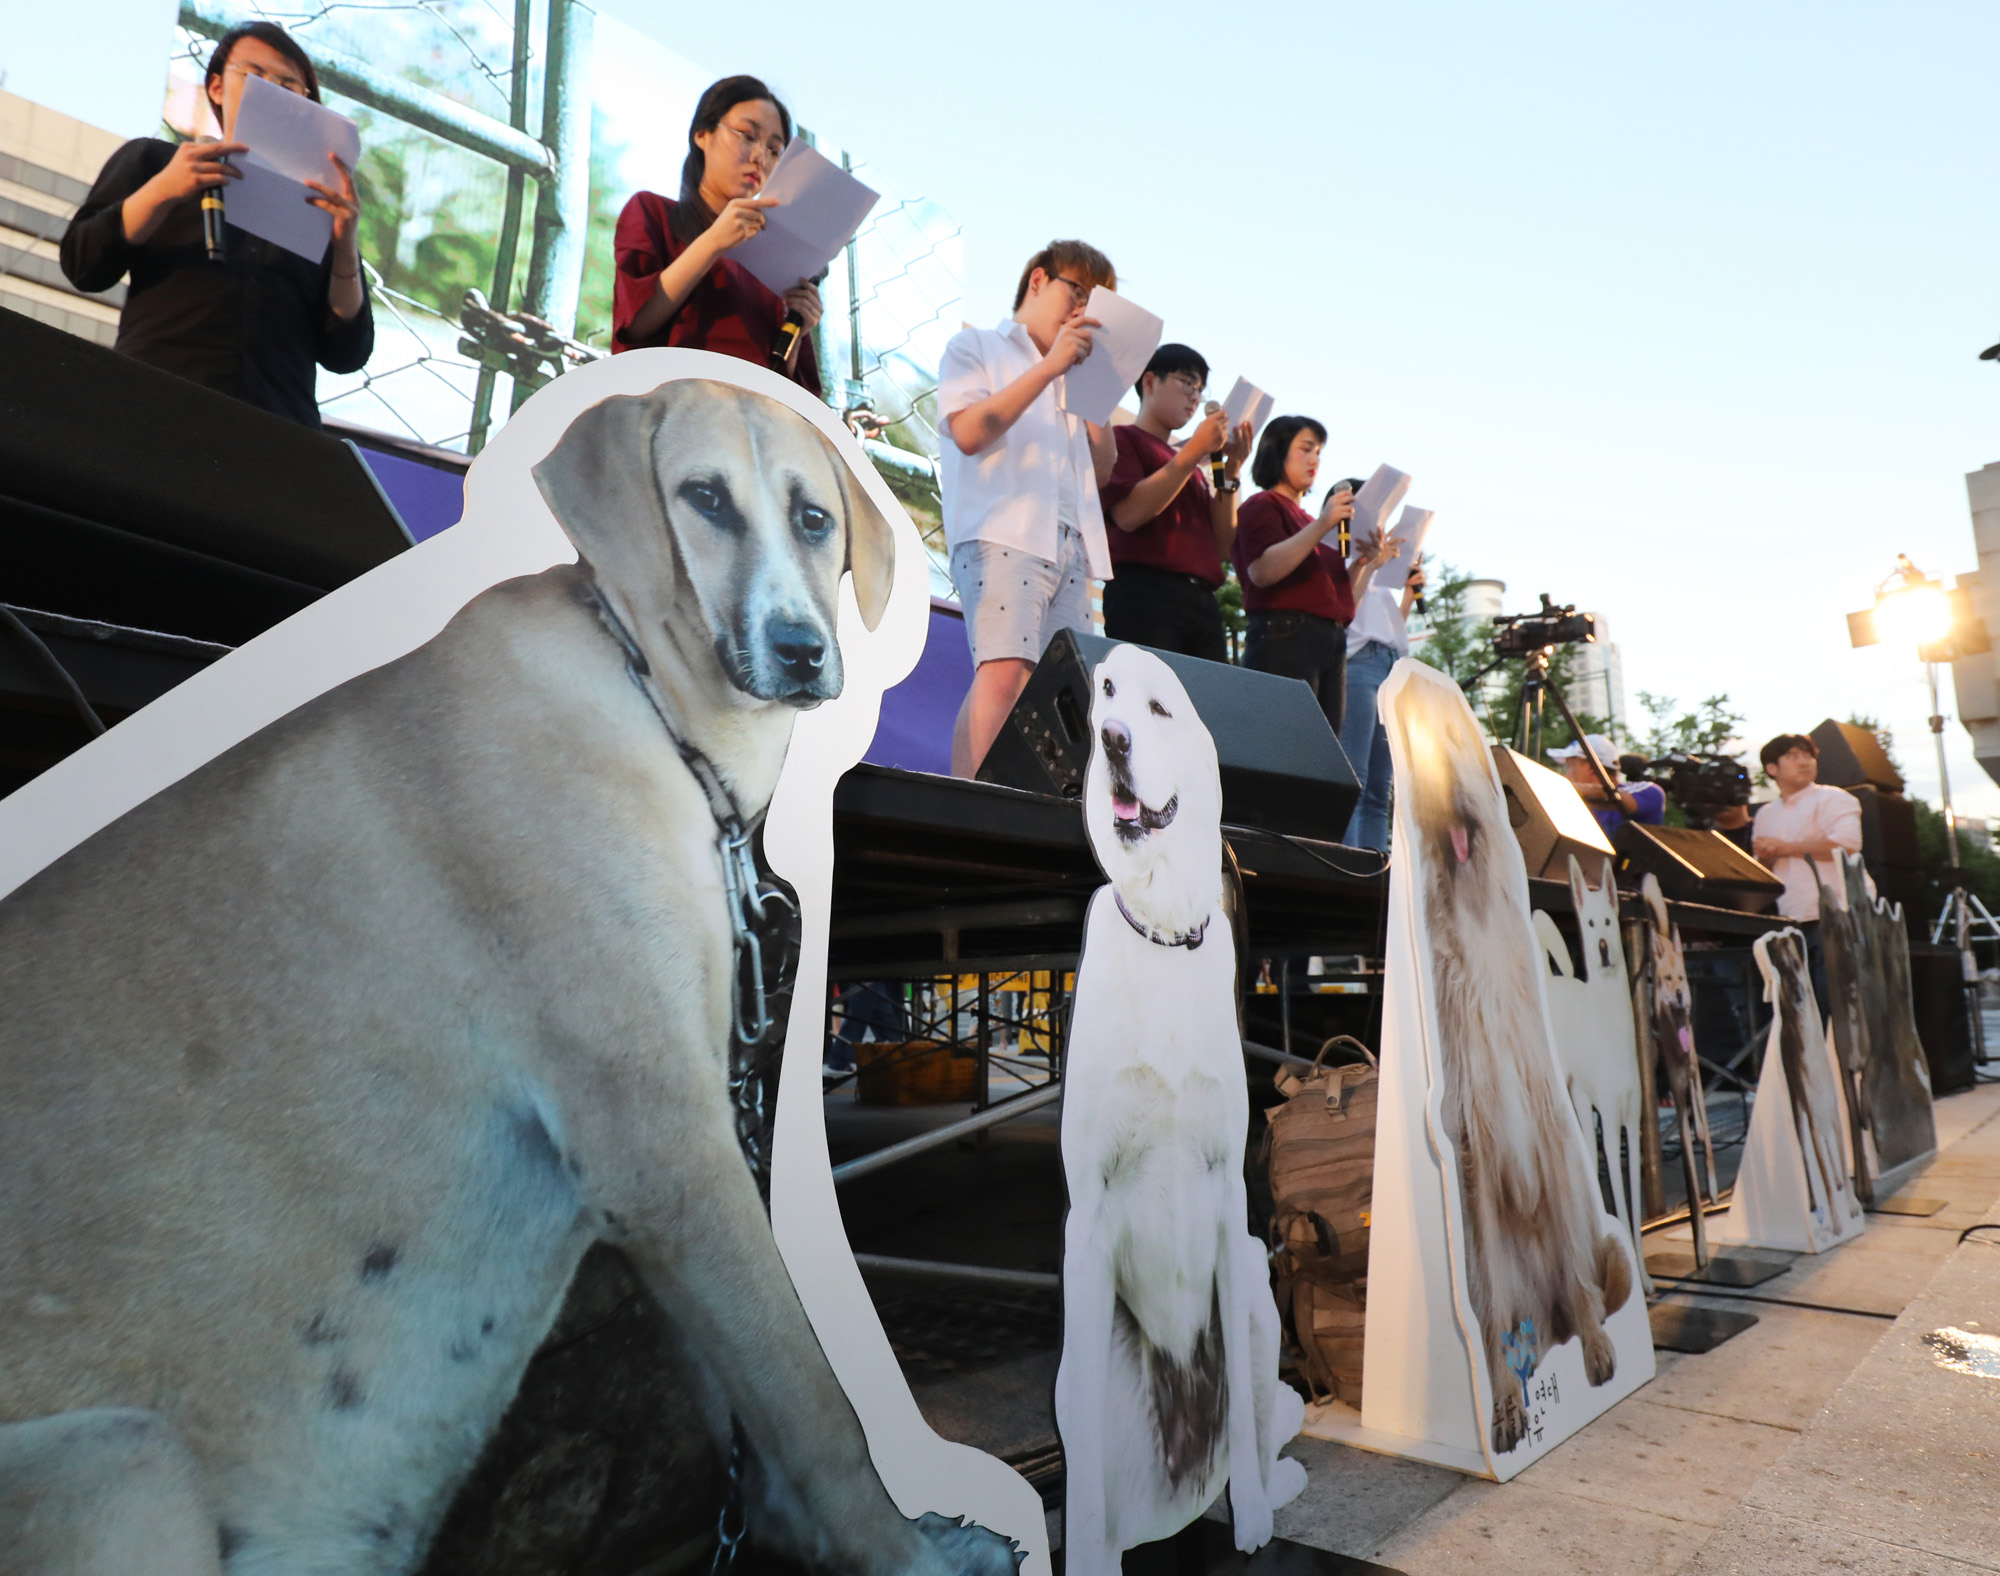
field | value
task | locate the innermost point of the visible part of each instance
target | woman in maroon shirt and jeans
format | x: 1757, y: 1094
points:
x: 1297, y: 597
x: 676, y: 284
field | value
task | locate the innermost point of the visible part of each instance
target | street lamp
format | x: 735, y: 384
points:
x: 1913, y: 609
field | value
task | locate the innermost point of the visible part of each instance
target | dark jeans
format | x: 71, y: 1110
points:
x: 1302, y: 646
x: 1166, y: 610
x: 1815, y: 962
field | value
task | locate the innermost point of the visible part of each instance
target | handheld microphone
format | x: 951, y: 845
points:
x: 211, y: 222
x: 1346, y: 532
x: 1215, y: 461
x: 788, y: 336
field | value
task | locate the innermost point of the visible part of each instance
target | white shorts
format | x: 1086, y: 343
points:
x: 1015, y: 602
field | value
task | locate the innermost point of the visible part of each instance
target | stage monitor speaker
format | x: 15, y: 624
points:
x: 1282, y: 768
x: 1852, y: 757
x: 1692, y: 866
x: 1937, y: 995
x: 1550, y: 819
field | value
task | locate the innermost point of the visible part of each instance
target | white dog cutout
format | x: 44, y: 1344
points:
x: 1591, y: 1014
x: 1169, y: 1380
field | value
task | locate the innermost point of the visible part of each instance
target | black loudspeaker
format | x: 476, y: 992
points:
x: 1282, y: 768
x: 1889, y: 850
x: 1550, y: 819
x: 1692, y: 866
x: 1852, y: 757
x: 1937, y: 997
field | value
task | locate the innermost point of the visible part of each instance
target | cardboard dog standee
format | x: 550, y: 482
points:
x: 1591, y: 1014
x: 1438, y: 1385
x: 1792, y: 1189
x: 807, y: 558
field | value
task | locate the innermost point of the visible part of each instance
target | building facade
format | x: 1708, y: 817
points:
x: 47, y: 162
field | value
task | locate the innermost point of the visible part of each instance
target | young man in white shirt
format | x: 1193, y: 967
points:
x: 1020, y: 477
x: 1796, y: 834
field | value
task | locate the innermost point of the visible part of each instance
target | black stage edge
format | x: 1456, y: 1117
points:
x: 1724, y: 1269
x: 1921, y: 1208
x: 1208, y: 1548
x: 1678, y: 1327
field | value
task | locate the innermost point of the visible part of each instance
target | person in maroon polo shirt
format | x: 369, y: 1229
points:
x: 675, y: 282
x: 1297, y: 597
x: 1169, y: 529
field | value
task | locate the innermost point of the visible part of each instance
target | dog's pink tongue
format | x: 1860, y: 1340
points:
x: 1461, y: 845
x: 1125, y: 806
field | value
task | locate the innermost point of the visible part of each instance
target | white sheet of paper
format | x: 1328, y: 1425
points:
x: 1408, y: 535
x: 1247, y: 402
x: 289, y: 138
x: 1378, y: 496
x: 1118, y: 354
x: 820, y: 206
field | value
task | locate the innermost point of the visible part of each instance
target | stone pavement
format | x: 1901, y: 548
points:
x: 1825, y: 1437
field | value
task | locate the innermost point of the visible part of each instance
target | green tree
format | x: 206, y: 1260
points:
x: 1450, y: 640
x: 1229, y: 599
x: 1979, y: 864
x: 1707, y: 730
x: 607, y: 198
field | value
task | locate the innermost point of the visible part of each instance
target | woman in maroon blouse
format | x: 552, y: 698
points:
x: 676, y: 283
x: 1297, y: 597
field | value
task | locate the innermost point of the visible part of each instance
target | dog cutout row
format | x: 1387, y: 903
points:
x: 1885, y: 1078
x: 1501, y: 1315
x: 1792, y: 1189
x: 1590, y: 1013
x: 1168, y: 1387
x: 353, y: 989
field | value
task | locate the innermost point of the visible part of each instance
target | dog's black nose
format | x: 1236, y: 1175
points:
x: 1117, y: 738
x: 799, y: 648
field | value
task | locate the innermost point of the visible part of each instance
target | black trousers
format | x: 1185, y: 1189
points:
x: 1166, y: 610
x: 1302, y: 646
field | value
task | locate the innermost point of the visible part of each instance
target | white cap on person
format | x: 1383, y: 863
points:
x: 1601, y: 747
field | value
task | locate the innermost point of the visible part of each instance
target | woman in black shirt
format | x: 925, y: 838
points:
x: 254, y: 324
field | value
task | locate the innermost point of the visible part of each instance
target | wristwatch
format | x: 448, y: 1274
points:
x: 1229, y: 484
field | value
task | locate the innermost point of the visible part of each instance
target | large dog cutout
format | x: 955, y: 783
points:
x: 403, y: 963
x: 1591, y: 1014
x: 1792, y: 1188
x: 1168, y: 1386
x: 1887, y: 1078
x: 1538, y: 1266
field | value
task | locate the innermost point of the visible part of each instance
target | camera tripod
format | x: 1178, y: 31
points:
x: 1536, y: 686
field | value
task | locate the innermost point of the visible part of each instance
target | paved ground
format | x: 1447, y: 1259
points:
x: 1734, y: 1461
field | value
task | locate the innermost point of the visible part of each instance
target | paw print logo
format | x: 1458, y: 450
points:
x: 1517, y: 1347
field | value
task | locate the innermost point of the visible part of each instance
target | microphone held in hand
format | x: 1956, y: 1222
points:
x: 788, y: 337
x: 212, y: 221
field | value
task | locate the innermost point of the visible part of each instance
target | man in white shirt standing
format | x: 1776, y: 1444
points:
x: 1796, y: 834
x: 1020, y: 476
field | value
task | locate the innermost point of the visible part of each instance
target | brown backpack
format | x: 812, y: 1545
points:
x: 1320, y: 1146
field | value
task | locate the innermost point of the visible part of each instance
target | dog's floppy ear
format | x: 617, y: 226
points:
x: 599, y: 477
x: 871, y: 549
x: 1656, y: 902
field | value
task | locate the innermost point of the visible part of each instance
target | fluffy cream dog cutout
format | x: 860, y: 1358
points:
x: 1543, y: 1264
x: 1168, y: 1387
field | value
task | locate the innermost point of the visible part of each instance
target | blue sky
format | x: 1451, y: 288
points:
x: 1672, y: 313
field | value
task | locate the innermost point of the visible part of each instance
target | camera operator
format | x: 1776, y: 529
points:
x: 1645, y: 803
x: 1733, y: 821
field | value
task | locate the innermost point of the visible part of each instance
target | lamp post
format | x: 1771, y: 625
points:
x: 1910, y: 607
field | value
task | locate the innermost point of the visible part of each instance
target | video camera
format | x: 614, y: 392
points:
x: 1699, y: 784
x: 1520, y: 634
